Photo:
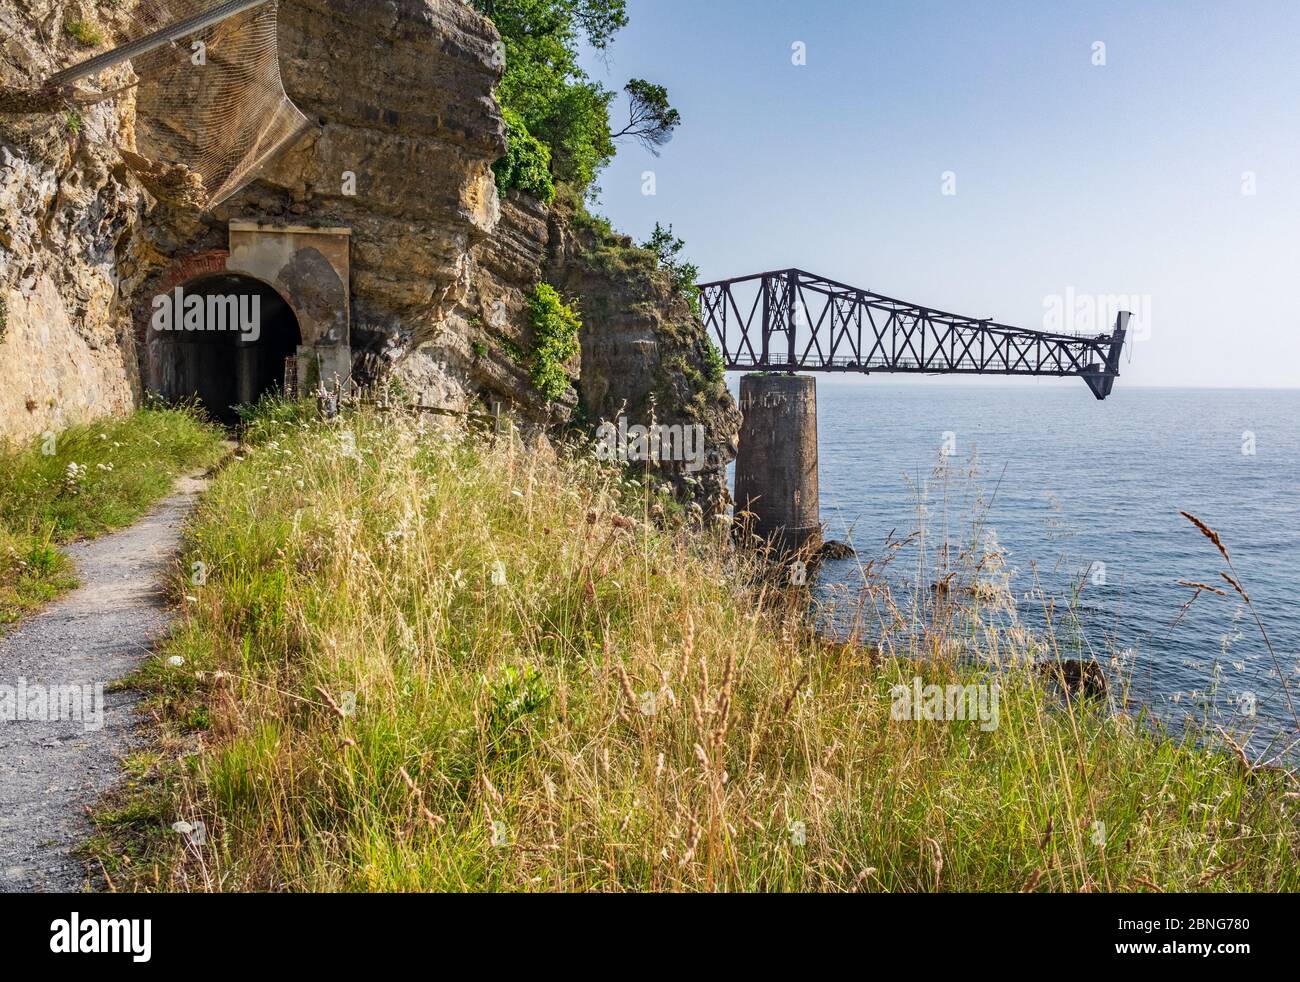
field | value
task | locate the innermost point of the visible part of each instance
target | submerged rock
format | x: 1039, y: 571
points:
x: 1077, y: 677
x: 834, y: 549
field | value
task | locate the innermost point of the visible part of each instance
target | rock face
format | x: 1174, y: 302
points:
x: 643, y: 350
x: 69, y: 218
x: 406, y: 129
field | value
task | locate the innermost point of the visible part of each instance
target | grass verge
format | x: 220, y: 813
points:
x: 82, y: 483
x: 426, y: 660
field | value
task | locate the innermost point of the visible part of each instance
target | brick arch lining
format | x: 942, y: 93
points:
x: 180, y: 271
x: 190, y: 267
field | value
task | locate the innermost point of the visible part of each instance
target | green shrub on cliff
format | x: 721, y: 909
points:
x: 527, y: 163
x: 668, y: 250
x: 555, y: 326
x: 86, y: 33
x: 715, y: 369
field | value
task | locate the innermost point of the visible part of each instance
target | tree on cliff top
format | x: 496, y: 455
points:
x: 553, y: 100
x: 651, y: 118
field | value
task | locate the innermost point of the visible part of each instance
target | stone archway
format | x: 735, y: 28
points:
x: 310, y: 267
x: 297, y: 277
x: 223, y: 368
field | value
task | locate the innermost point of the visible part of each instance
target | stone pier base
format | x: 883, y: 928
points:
x: 776, y: 470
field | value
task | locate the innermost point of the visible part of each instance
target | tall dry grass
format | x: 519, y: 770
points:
x: 430, y: 660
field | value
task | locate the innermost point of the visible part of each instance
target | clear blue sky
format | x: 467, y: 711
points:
x: 1121, y: 179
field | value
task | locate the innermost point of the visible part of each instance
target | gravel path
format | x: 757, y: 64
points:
x: 51, y: 772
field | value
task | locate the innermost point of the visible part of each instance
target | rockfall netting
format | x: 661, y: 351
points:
x: 210, y: 101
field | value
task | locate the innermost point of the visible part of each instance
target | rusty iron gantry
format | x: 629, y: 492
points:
x: 793, y: 321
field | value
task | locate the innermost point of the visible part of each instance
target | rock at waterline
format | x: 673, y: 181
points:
x: 833, y: 549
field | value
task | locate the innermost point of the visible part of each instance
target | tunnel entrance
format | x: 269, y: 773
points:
x: 295, y: 279
x: 227, y: 340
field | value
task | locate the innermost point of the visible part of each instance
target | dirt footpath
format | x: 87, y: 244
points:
x: 53, y: 768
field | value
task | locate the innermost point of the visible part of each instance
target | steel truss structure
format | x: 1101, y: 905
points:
x: 793, y: 321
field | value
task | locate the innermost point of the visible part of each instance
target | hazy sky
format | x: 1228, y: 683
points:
x: 1122, y: 178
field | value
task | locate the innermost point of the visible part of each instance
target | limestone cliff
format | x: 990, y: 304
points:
x: 406, y: 129
x: 69, y: 218
x: 643, y: 348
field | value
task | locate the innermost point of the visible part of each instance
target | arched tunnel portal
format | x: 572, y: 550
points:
x: 272, y: 313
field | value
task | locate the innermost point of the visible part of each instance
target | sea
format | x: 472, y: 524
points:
x: 1084, y: 499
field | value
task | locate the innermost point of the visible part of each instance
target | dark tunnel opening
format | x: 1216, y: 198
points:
x: 230, y: 346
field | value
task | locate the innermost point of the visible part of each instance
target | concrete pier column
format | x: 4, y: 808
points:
x: 776, y: 468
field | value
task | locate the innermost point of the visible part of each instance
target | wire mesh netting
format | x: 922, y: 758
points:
x: 209, y: 100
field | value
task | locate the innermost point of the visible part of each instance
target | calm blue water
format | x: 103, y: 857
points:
x: 1074, y: 482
